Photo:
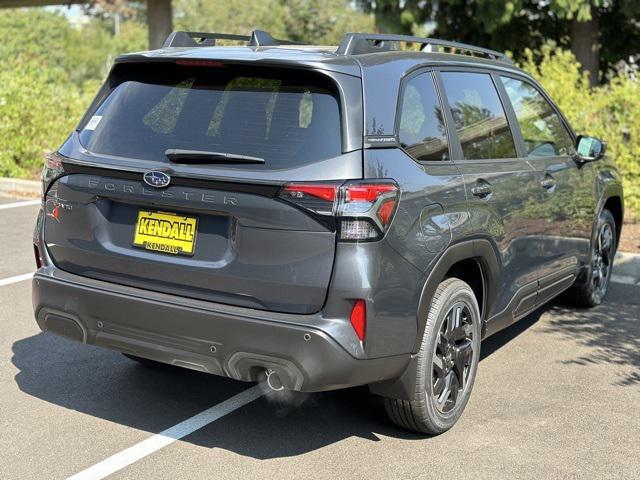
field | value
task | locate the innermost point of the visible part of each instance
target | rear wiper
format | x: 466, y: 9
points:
x: 179, y: 155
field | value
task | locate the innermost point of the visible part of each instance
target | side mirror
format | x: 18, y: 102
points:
x: 589, y: 149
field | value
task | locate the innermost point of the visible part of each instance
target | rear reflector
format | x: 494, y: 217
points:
x: 36, y: 252
x: 359, y: 319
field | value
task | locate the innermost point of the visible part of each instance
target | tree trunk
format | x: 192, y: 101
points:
x: 158, y: 21
x: 585, y: 45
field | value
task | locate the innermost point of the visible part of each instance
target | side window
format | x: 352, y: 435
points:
x: 422, y: 130
x: 478, y: 116
x: 543, y: 132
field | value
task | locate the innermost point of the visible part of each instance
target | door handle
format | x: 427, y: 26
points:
x: 481, y: 190
x: 548, y: 183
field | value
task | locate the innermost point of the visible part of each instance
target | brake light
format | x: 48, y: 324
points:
x: 324, y: 192
x: 359, y: 319
x: 53, y: 161
x: 386, y: 210
x: 367, y: 210
x: 319, y: 198
x: 53, y: 169
x: 199, y: 63
x: 364, y: 209
x: 368, y: 193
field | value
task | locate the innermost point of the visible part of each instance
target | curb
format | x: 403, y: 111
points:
x: 626, y: 268
x: 16, y: 187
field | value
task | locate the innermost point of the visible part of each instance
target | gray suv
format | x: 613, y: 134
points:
x: 321, y: 217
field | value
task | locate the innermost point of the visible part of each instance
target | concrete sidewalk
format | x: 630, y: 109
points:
x: 626, y: 268
x: 16, y: 187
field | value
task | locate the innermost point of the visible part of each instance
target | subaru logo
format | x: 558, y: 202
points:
x: 157, y: 179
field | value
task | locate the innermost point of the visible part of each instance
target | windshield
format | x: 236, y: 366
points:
x: 286, y: 117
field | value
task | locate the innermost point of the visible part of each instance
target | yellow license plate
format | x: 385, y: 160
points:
x: 166, y: 232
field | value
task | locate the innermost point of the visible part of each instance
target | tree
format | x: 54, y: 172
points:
x: 589, y: 36
x: 231, y: 16
x: 324, y: 22
x: 397, y: 16
x: 598, y: 32
x: 311, y: 21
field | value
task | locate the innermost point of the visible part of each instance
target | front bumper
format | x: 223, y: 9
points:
x: 235, y: 342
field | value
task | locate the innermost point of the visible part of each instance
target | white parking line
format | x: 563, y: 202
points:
x: 25, y: 203
x: 146, y: 447
x: 16, y: 279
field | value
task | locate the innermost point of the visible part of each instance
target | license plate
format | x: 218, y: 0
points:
x: 166, y: 232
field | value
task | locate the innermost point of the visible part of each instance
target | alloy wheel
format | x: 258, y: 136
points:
x: 602, y: 261
x: 452, y: 357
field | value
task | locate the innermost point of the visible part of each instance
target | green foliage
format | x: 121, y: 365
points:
x: 36, y: 114
x: 313, y: 21
x: 51, y: 71
x: 399, y: 16
x: 232, y: 16
x: 516, y: 25
x: 609, y: 112
x: 324, y: 22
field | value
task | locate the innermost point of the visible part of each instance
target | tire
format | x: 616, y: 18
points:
x: 426, y: 413
x: 146, y: 362
x: 591, y: 291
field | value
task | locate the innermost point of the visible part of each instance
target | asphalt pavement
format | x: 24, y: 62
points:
x: 557, y: 396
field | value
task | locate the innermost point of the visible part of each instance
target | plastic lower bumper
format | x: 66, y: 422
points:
x: 235, y: 342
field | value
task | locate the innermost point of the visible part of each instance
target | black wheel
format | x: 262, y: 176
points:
x: 447, y: 362
x: 592, y: 290
x: 146, y: 362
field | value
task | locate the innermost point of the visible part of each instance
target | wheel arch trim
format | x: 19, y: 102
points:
x: 480, y: 249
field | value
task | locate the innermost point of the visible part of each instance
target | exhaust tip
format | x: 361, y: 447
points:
x: 274, y: 381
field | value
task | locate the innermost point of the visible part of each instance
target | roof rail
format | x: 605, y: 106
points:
x: 361, y: 43
x: 258, y: 38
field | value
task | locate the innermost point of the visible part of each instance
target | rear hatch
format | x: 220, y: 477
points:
x: 173, y: 183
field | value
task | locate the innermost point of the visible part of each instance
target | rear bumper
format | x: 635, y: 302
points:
x: 235, y: 342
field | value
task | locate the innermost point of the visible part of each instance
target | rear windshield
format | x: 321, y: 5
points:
x: 286, y: 117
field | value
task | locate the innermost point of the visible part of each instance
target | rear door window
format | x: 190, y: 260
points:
x: 478, y: 116
x: 422, y: 131
x: 543, y: 132
x: 289, y: 118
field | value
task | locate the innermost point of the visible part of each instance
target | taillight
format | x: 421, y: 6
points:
x: 363, y: 209
x: 53, y: 169
x: 366, y: 210
x: 320, y: 198
x: 359, y: 319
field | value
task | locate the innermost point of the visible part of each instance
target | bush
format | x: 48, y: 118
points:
x: 51, y: 72
x: 37, y: 112
x: 610, y: 112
